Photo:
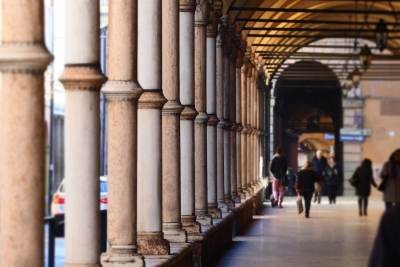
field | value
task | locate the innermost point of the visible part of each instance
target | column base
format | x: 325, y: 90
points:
x: 190, y: 224
x: 82, y: 265
x: 223, y: 206
x: 241, y: 194
x: 121, y: 256
x: 246, y: 192
x: 152, y: 243
x: 236, y: 197
x: 214, y: 211
x: 174, y: 233
x: 250, y: 189
x: 229, y: 201
x: 204, y: 218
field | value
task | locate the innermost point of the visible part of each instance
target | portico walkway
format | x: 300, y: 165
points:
x: 334, y: 235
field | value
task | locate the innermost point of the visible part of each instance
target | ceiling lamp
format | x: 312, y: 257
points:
x: 349, y: 82
x: 344, y: 90
x: 381, y: 35
x: 356, y: 76
x: 365, y: 57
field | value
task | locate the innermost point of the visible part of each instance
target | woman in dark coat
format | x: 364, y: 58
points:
x: 333, y: 176
x: 364, y: 178
x: 306, y: 184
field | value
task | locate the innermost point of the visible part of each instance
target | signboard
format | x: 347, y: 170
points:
x: 352, y: 103
x: 329, y: 136
x: 352, y: 138
x: 364, y: 132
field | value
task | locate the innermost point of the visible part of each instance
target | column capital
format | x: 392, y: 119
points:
x: 240, y: 59
x: 122, y: 90
x: 85, y: 77
x: 245, y: 66
x: 212, y: 27
x: 189, y: 113
x: 24, y: 57
x: 202, y: 13
x: 213, y: 121
x: 187, y: 5
x: 152, y: 99
x: 172, y: 107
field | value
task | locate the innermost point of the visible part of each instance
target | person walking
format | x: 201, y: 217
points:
x: 278, y: 168
x: 390, y: 175
x: 333, y: 175
x: 305, y: 184
x: 364, y: 178
x: 319, y: 162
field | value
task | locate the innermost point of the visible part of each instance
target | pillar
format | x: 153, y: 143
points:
x: 220, y: 114
x: 188, y: 115
x: 150, y: 236
x: 82, y: 80
x: 171, y: 169
x: 122, y: 91
x: 212, y: 123
x: 200, y: 128
x: 232, y: 111
x: 227, y: 122
x: 254, y: 124
x: 239, y: 63
x: 23, y: 59
x: 249, y: 129
x: 244, y: 147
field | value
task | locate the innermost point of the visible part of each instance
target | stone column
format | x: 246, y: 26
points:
x: 220, y: 114
x: 213, y: 121
x: 200, y: 128
x: 186, y: 79
x: 249, y: 129
x: 254, y: 123
x: 171, y: 169
x: 82, y: 80
x: 232, y: 110
x: 150, y: 236
x: 244, y: 147
x: 239, y: 63
x: 227, y: 122
x: 252, y: 150
x: 122, y: 92
x: 23, y: 59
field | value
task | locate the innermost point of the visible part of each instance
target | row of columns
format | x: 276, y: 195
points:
x: 183, y: 127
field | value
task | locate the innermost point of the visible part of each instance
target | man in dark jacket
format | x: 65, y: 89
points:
x: 319, y: 162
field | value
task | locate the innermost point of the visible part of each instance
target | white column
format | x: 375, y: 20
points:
x: 171, y: 171
x: 227, y: 122
x: 200, y: 128
x: 150, y: 236
x: 186, y: 79
x: 122, y: 92
x: 82, y: 80
x: 213, y: 121
x: 239, y: 63
x: 220, y: 114
x: 23, y: 60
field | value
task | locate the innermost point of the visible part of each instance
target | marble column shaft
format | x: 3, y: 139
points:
x: 23, y: 60
x: 200, y: 128
x: 213, y: 121
x: 227, y: 122
x: 171, y: 170
x: 82, y: 80
x: 239, y: 63
x: 220, y: 114
x: 188, y: 115
x: 232, y: 134
x: 249, y: 130
x: 122, y: 92
x: 244, y: 159
x: 150, y: 236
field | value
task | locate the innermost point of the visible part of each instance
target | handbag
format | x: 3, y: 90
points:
x: 382, y: 185
x: 317, y: 187
x: 299, y: 202
x: 284, y: 180
x: 353, y: 180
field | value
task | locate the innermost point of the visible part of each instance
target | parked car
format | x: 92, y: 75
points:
x: 58, y: 203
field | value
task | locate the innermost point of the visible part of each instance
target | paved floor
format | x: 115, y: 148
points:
x: 333, y: 236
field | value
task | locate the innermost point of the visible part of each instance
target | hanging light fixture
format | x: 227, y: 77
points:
x: 356, y: 75
x: 365, y: 57
x: 349, y: 82
x: 381, y: 35
x: 344, y: 90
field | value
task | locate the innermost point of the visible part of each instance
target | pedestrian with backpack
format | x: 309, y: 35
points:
x: 278, y: 169
x: 306, y: 184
